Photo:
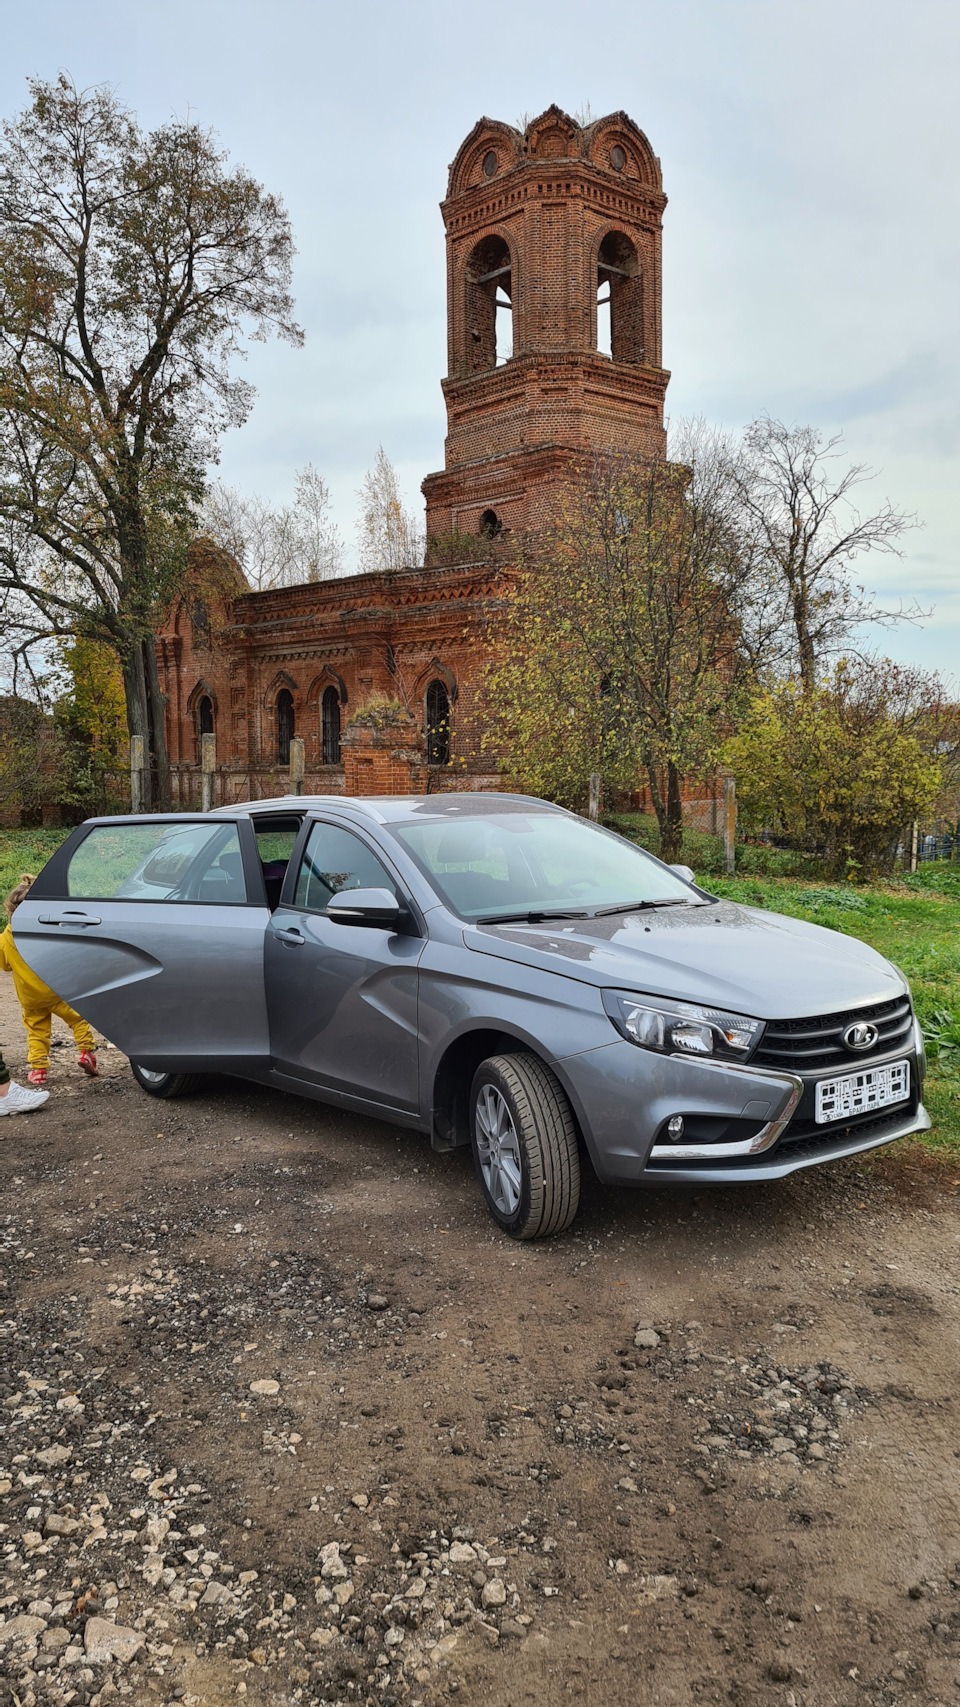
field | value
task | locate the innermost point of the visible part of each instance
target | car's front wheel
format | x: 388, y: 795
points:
x: 525, y: 1146
x: 165, y: 1085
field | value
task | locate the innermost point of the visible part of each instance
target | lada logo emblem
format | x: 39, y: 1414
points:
x: 860, y: 1035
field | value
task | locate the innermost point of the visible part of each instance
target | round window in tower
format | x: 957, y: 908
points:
x: 489, y: 164
x: 617, y: 158
x: 490, y: 524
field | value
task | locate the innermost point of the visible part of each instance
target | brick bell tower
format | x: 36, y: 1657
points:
x: 553, y: 314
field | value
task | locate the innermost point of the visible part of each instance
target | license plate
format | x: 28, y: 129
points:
x: 860, y: 1093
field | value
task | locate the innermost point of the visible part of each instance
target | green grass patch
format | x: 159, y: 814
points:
x: 916, y: 923
x: 26, y: 850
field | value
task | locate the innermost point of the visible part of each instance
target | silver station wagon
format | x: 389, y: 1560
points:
x: 490, y: 970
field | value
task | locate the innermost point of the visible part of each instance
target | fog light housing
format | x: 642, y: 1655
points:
x: 675, y: 1128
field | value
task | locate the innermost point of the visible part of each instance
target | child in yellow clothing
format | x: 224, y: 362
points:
x: 38, y: 1003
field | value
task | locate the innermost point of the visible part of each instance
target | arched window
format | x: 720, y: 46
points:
x: 438, y: 724
x: 330, y: 726
x: 205, y: 715
x: 619, y: 300
x: 489, y: 305
x: 285, y: 725
x: 200, y: 617
x: 490, y: 524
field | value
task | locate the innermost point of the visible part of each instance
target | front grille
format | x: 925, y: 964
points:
x: 813, y: 1045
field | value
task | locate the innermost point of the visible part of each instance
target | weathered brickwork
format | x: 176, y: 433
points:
x: 537, y: 223
x: 546, y: 218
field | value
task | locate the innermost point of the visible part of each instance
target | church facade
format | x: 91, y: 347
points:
x: 553, y: 239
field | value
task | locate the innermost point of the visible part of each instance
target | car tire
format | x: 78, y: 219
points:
x: 525, y: 1146
x: 165, y: 1085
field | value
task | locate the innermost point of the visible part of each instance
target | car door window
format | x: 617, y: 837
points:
x: 276, y: 839
x: 335, y: 859
x: 159, y: 862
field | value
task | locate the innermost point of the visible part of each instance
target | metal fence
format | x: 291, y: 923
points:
x: 939, y: 840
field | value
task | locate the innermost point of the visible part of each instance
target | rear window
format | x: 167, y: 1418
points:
x: 159, y: 862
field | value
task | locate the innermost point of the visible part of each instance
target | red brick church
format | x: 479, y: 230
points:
x: 553, y: 317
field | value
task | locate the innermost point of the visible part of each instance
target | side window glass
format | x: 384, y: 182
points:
x: 159, y: 862
x: 334, y: 859
x: 276, y: 838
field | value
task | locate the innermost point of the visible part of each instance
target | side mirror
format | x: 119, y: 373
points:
x: 683, y: 871
x: 371, y: 907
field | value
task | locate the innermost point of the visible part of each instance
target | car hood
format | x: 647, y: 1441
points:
x: 757, y: 963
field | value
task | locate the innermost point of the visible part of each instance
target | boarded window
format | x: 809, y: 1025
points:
x: 285, y: 725
x: 438, y: 724
x: 330, y: 726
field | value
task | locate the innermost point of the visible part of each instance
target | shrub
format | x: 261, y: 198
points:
x: 834, y: 771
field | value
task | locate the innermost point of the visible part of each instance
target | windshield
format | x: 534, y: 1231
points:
x: 505, y: 865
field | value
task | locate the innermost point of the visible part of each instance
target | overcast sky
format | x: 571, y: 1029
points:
x: 811, y: 243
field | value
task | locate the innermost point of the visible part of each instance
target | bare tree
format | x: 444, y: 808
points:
x: 131, y: 266
x: 277, y: 545
x: 388, y: 536
x: 804, y: 532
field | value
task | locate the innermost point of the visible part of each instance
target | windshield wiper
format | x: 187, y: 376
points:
x: 535, y: 917
x: 642, y: 906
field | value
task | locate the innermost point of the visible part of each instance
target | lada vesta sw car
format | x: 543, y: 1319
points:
x: 488, y: 969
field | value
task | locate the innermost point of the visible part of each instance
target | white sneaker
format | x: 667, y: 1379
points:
x: 20, y: 1100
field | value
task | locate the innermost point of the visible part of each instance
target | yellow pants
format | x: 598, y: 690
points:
x: 37, y: 1022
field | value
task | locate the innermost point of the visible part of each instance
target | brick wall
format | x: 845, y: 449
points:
x: 554, y: 205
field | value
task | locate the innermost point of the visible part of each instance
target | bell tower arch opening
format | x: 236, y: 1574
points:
x: 489, y: 305
x: 619, y: 299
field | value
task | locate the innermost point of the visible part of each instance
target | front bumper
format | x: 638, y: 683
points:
x: 625, y: 1095
x: 788, y: 1158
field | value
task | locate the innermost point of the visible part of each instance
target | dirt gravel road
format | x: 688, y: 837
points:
x: 285, y: 1419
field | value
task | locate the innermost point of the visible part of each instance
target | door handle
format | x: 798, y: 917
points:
x: 67, y: 919
x: 292, y: 935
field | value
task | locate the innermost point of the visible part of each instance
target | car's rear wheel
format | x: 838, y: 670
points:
x: 525, y: 1148
x: 165, y: 1085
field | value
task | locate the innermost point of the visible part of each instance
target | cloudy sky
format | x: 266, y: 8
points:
x: 812, y: 237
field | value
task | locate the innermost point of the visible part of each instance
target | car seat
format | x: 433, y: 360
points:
x: 274, y: 872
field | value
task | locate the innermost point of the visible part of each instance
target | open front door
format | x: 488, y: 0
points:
x: 153, y: 929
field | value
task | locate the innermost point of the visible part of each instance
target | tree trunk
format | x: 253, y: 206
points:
x: 135, y: 694
x: 671, y: 833
x: 156, y: 703
x: 805, y: 651
x: 659, y: 803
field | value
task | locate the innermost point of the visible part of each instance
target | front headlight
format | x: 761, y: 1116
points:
x: 683, y: 1028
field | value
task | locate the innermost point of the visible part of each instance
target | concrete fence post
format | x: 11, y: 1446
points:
x: 136, y: 773
x: 593, y: 804
x: 729, y: 825
x: 208, y: 767
x: 296, y: 764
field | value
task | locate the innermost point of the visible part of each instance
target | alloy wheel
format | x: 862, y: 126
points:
x: 498, y: 1150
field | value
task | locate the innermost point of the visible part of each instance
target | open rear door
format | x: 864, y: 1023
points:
x: 153, y: 929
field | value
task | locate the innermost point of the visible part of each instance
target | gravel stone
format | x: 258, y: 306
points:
x: 103, y: 1642
x: 494, y: 1593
